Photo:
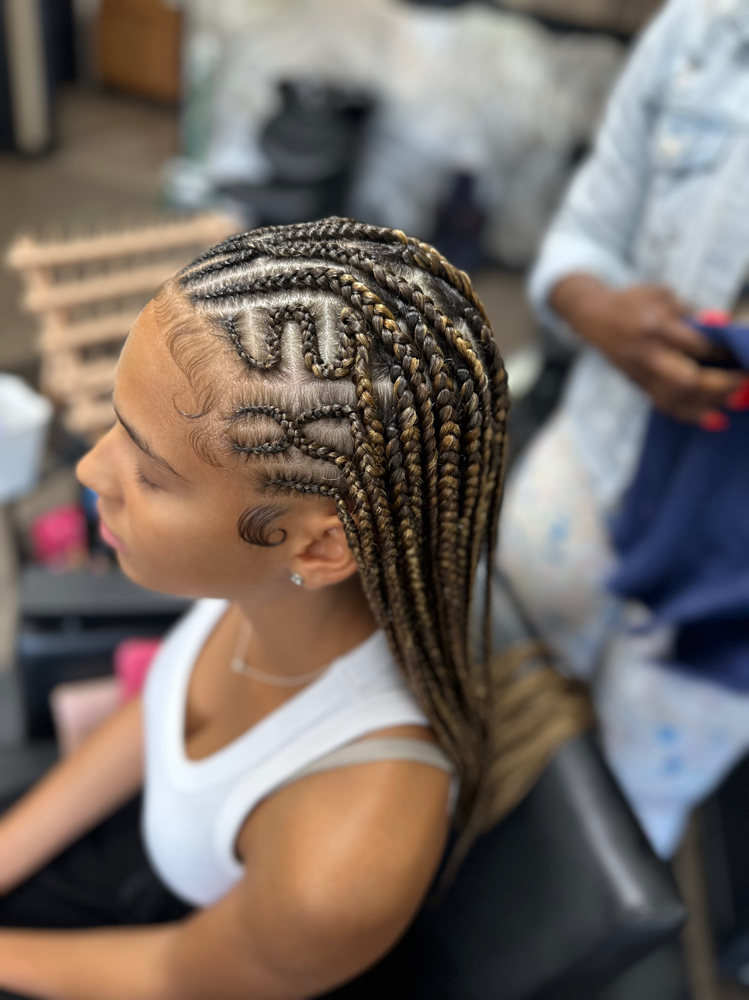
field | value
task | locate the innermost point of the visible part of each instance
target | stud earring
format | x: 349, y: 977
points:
x: 297, y: 579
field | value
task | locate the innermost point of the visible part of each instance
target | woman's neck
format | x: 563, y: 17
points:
x: 307, y: 629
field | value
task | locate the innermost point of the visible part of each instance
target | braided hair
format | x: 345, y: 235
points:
x: 361, y: 366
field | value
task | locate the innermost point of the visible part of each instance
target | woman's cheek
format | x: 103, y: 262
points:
x: 162, y: 562
x: 180, y: 540
x: 180, y: 546
x: 153, y: 531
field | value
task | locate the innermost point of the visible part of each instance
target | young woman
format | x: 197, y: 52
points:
x: 310, y: 434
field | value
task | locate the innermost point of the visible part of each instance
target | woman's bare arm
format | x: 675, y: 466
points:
x: 336, y: 867
x: 84, y: 788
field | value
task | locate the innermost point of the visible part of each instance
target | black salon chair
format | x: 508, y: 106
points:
x: 553, y: 904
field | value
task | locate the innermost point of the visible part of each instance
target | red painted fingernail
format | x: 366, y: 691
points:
x: 739, y: 400
x: 714, y: 317
x: 714, y: 421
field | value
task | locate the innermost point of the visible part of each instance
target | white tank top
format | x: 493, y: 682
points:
x: 194, y: 810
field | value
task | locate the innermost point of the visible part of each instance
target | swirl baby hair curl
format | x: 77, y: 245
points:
x: 352, y: 362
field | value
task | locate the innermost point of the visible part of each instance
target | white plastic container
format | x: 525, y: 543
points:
x: 24, y: 419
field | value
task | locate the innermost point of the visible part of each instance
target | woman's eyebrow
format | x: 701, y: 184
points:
x: 146, y: 448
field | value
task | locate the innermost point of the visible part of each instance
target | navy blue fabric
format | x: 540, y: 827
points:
x: 682, y: 535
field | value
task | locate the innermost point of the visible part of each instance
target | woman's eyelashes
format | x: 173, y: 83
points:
x: 144, y: 481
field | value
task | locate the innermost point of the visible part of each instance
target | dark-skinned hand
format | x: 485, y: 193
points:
x: 643, y: 331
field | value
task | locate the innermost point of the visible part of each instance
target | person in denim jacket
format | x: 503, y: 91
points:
x: 654, y: 227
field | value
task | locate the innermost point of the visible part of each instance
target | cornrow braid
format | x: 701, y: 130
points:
x: 368, y: 374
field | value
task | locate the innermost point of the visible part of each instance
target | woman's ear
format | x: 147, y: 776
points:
x: 327, y: 558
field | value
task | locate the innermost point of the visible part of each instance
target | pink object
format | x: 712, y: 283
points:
x: 714, y: 317
x: 80, y: 708
x: 132, y: 658
x: 59, y: 536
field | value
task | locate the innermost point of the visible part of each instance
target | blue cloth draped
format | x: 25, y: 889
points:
x: 682, y: 534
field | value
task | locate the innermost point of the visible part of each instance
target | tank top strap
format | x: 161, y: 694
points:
x: 407, y: 748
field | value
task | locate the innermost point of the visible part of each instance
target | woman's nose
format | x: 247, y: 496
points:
x: 97, y: 471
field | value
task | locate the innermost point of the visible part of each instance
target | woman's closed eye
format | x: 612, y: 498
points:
x: 144, y: 481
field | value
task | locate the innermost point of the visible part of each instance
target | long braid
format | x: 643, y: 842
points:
x: 407, y: 438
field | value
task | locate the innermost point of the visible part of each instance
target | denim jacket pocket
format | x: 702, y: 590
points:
x: 686, y: 142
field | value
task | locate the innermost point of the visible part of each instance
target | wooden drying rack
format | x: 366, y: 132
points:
x: 87, y: 292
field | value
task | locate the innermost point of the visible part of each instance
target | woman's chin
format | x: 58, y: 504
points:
x: 149, y: 580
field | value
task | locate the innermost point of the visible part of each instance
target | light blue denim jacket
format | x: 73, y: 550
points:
x: 664, y: 198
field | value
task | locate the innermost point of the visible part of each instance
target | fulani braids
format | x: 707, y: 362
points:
x: 370, y: 375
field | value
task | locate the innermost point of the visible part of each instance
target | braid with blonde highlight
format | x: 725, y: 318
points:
x: 370, y: 376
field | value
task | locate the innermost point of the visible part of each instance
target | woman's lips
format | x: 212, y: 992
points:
x: 110, y: 538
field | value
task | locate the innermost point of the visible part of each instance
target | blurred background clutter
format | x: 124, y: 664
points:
x: 133, y: 134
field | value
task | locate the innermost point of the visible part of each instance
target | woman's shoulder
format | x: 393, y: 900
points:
x: 358, y: 844
x: 336, y: 867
